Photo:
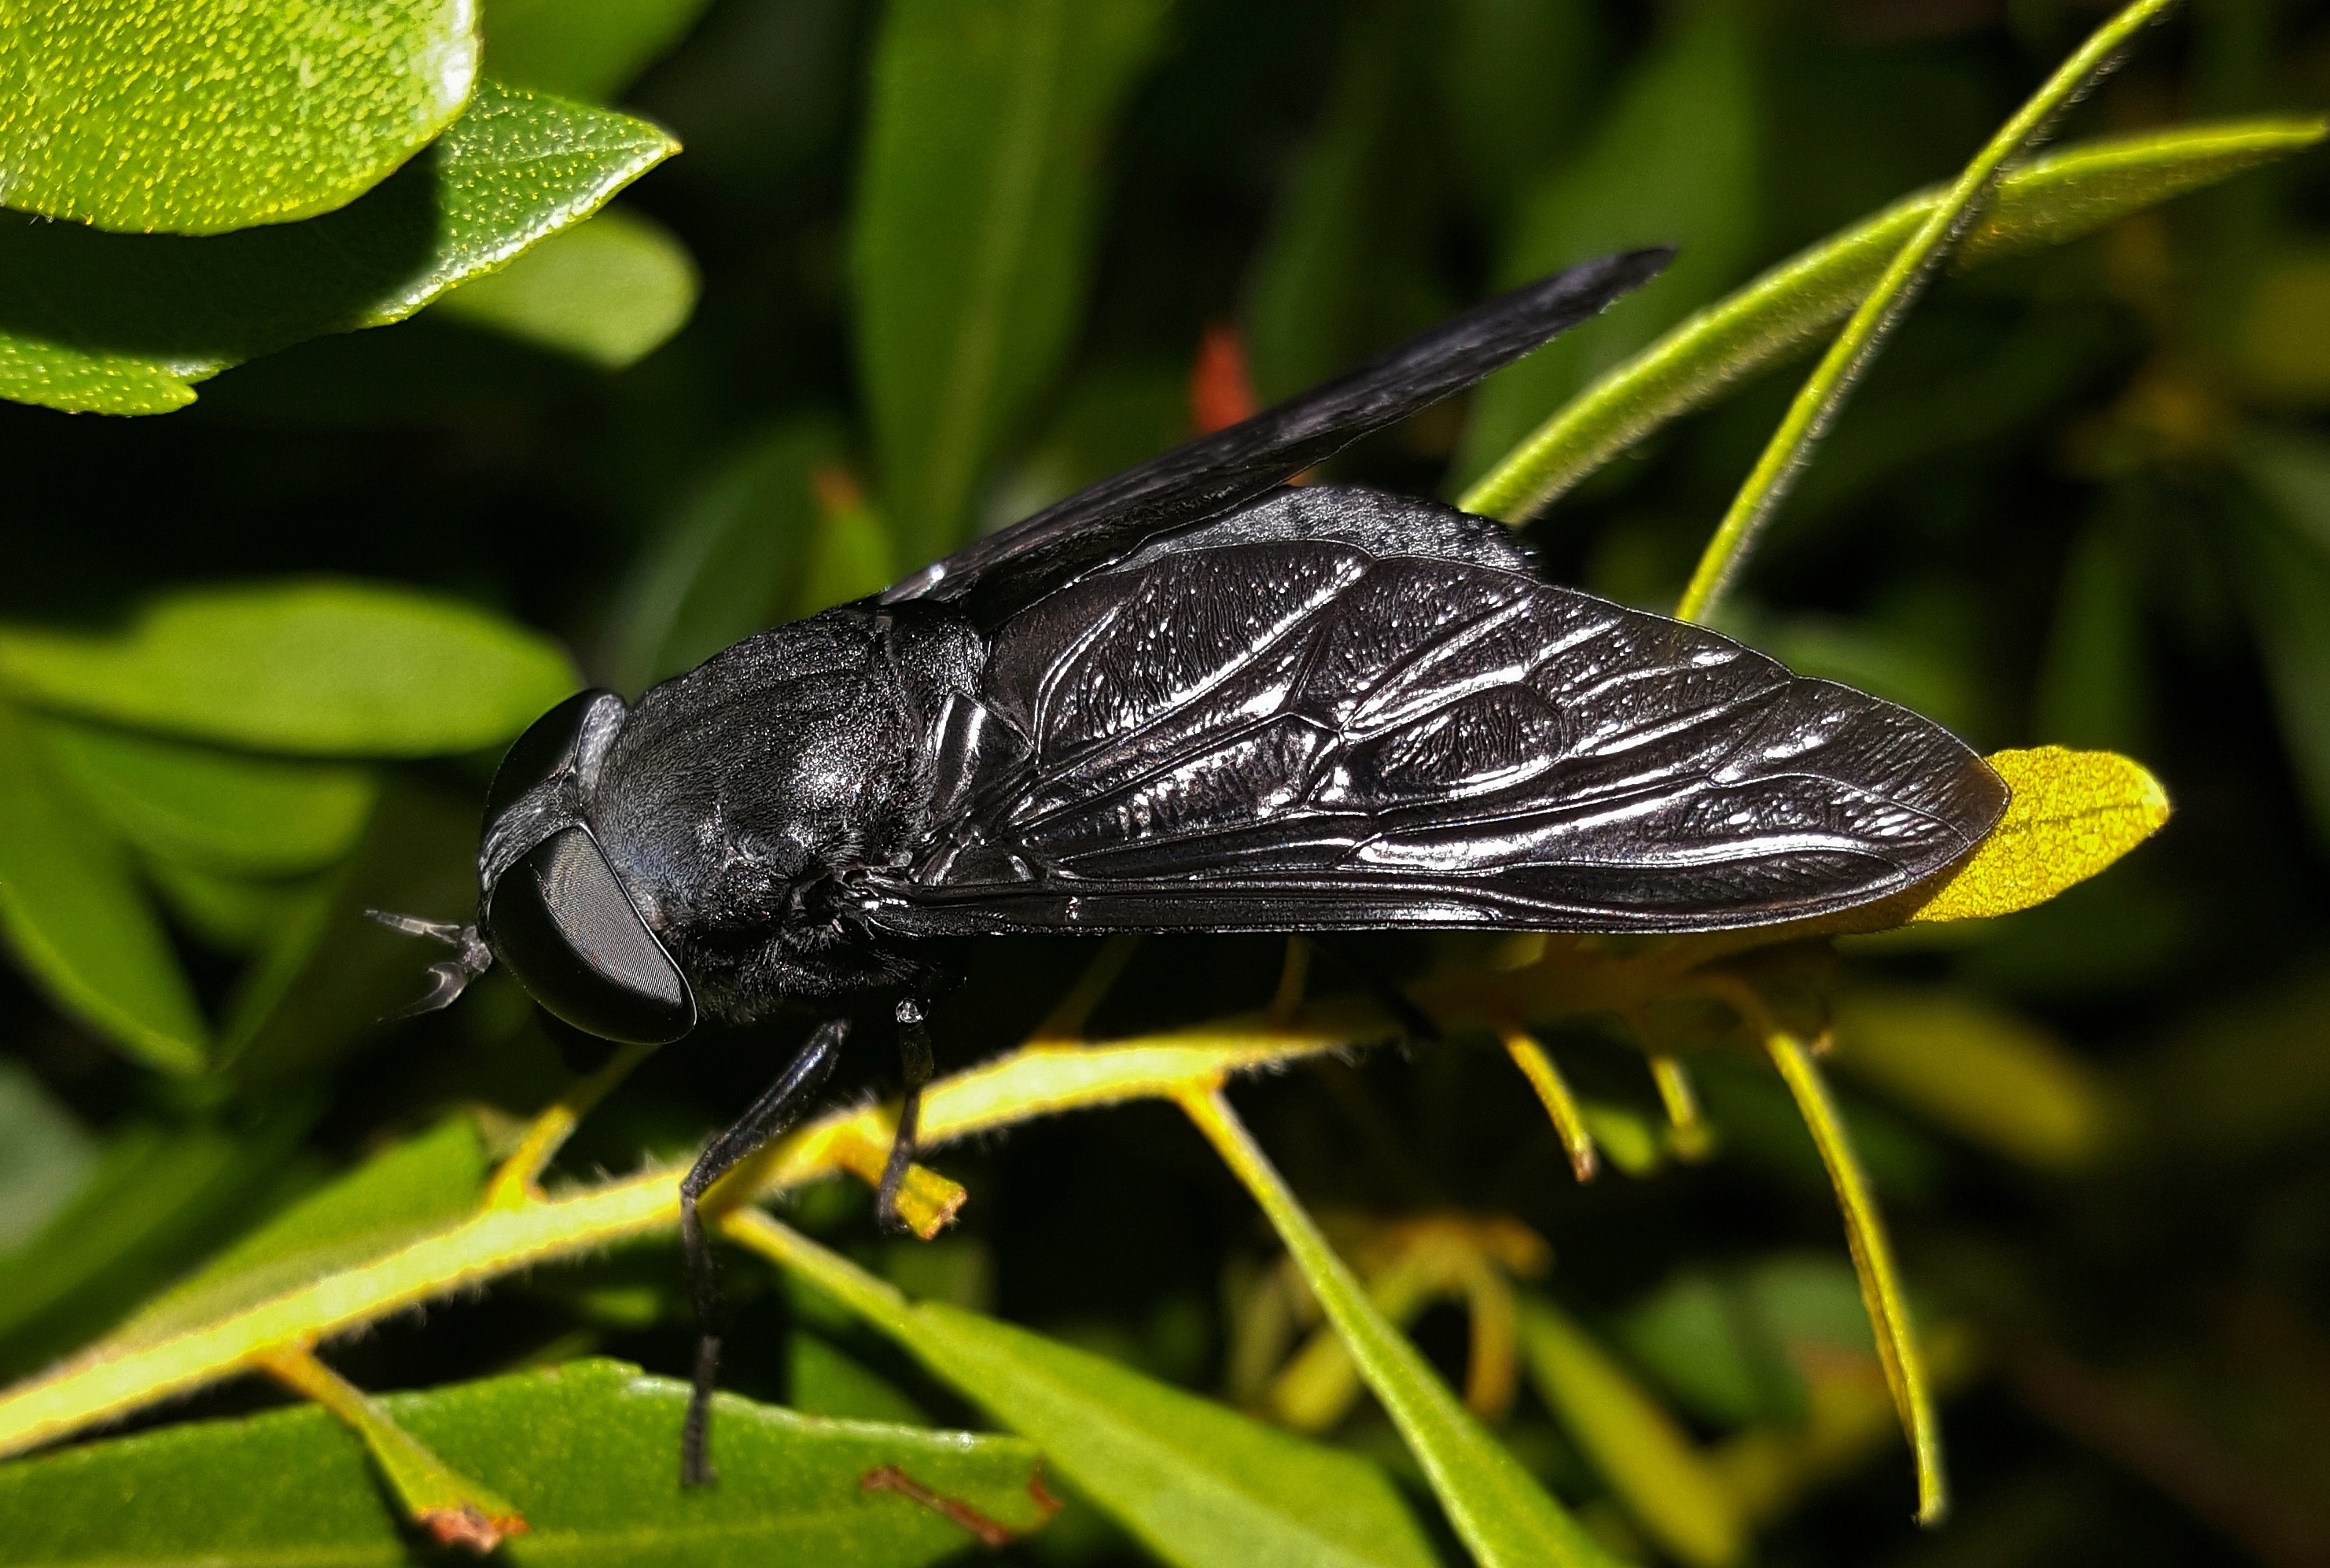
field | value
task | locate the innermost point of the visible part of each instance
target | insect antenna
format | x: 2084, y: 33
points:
x: 449, y: 978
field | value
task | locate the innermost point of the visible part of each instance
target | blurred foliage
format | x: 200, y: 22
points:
x: 924, y: 266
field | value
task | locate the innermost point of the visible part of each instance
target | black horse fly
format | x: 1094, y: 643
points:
x: 1191, y: 698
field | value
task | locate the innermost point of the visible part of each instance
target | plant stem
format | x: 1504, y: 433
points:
x: 1553, y: 1091
x: 516, y: 1181
x: 1825, y: 391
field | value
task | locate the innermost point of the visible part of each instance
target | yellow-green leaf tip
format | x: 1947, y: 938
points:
x: 2071, y: 814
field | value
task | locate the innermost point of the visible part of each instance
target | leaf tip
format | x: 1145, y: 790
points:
x: 2070, y: 814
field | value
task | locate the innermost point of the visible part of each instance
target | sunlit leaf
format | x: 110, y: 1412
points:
x: 1644, y: 1453
x: 584, y: 1452
x: 317, y: 667
x: 1985, y: 1073
x: 1673, y: 160
x: 1199, y: 1484
x: 2048, y: 201
x: 201, y: 115
x: 976, y: 201
x: 584, y: 49
x: 2071, y: 815
x: 45, y: 1153
x: 76, y: 919
x: 611, y: 291
x: 126, y: 324
x: 227, y: 811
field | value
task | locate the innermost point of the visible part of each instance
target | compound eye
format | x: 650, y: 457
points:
x: 547, y: 746
x: 561, y: 921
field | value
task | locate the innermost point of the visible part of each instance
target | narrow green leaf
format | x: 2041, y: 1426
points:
x: 729, y: 562
x: 588, y: 50
x: 235, y: 914
x: 320, y: 667
x: 2283, y: 560
x: 222, y: 811
x: 1673, y: 161
x: 1199, y: 1484
x: 611, y: 290
x: 203, y: 116
x: 77, y: 922
x: 976, y: 208
x: 421, y: 1184
x: 2049, y: 202
x: 2092, y: 689
x: 822, y: 1381
x: 1502, y: 1514
x: 45, y: 1153
x: 585, y: 1451
x: 1648, y: 1460
x: 126, y: 324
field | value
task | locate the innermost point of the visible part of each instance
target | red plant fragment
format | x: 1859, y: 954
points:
x: 891, y: 1479
x: 1221, y: 393
x: 469, y: 1527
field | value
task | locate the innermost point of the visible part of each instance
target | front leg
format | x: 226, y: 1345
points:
x: 770, y: 1114
x: 914, y: 1064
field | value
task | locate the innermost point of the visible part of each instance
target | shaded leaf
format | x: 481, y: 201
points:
x: 611, y: 291
x: 976, y: 201
x: 2282, y: 345
x: 1515, y: 77
x: 126, y: 324
x: 729, y: 562
x: 2050, y: 201
x: 203, y: 116
x: 77, y: 921
x: 850, y: 552
x: 584, y: 49
x: 2283, y: 561
x: 1673, y: 161
x: 222, y: 811
x: 319, y: 668
x: 1984, y: 1072
x: 1199, y: 1484
x: 585, y: 1450
x: 45, y: 1153
x: 1707, y: 1340
x: 237, y: 914
x: 2250, y: 1075
x: 2091, y: 688
x: 1648, y: 1460
x: 2071, y: 815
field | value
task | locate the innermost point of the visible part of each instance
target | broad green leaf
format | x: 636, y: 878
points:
x: 729, y: 562
x: 2071, y: 814
x: 225, y: 811
x: 585, y: 1451
x: 126, y: 324
x: 1674, y: 160
x: 1984, y: 1072
x: 317, y: 667
x: 588, y: 50
x: 45, y: 1153
x: 2283, y: 561
x: 2050, y: 201
x: 421, y: 1184
x: 195, y: 117
x: 1198, y: 1483
x: 976, y: 198
x: 77, y: 921
x: 611, y: 291
x: 158, y: 1200
x: 1641, y: 1450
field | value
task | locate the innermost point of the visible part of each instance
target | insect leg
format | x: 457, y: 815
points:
x: 770, y: 1114
x: 914, y: 1060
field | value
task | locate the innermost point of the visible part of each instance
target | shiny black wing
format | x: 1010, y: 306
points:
x: 1014, y: 566
x: 1337, y: 709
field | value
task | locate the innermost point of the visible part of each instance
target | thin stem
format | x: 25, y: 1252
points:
x: 1067, y: 1020
x: 1560, y: 1104
x: 1825, y: 391
x: 516, y: 1181
x: 1693, y: 1138
x: 1286, y: 1002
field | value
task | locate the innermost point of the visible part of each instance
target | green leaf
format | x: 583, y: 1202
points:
x: 321, y: 668
x: 1648, y: 1460
x: 77, y: 921
x: 729, y: 562
x: 2284, y: 561
x: 45, y: 1153
x: 588, y: 50
x: 126, y: 324
x: 421, y: 1184
x: 236, y: 914
x: 1199, y: 1484
x: 1516, y: 78
x: 822, y: 1381
x: 611, y: 290
x: 586, y: 1451
x: 2092, y: 687
x: 1673, y: 161
x: 976, y: 206
x: 201, y: 115
x: 2050, y: 201
x: 851, y: 554
x: 222, y: 811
